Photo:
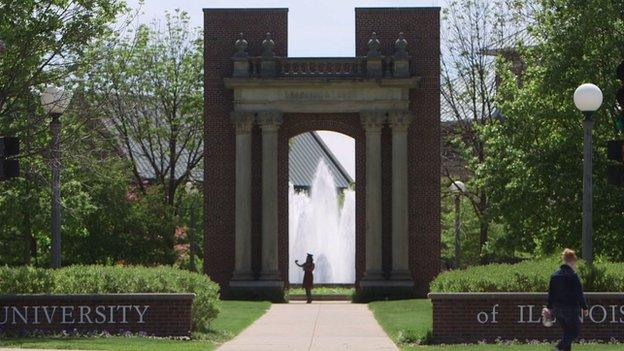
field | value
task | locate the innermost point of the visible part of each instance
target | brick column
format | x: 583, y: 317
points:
x: 269, y: 122
x: 243, y: 123
x: 400, y: 122
x: 373, y: 122
x: 222, y: 29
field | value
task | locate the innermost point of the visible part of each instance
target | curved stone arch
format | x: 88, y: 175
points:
x: 345, y: 123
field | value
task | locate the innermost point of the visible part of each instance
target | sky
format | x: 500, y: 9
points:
x: 316, y: 28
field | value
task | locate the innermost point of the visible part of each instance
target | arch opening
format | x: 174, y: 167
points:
x: 321, y: 206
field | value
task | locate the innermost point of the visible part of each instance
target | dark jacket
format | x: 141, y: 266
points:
x: 565, y: 289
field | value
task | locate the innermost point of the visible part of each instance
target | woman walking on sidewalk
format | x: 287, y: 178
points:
x: 566, y: 299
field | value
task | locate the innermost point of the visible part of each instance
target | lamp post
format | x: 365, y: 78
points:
x: 587, y: 99
x: 192, y: 192
x: 55, y: 101
x: 457, y: 188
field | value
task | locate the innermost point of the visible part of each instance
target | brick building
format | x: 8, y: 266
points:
x: 387, y: 98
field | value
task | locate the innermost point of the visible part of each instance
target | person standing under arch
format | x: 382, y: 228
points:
x: 308, y: 277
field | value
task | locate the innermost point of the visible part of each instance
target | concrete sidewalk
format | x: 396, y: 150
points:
x: 326, y: 326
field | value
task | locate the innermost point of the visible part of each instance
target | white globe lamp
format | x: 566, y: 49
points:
x: 55, y: 100
x: 588, y: 97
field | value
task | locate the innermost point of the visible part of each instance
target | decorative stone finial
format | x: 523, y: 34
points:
x: 374, y: 46
x: 268, y: 44
x: 241, y: 47
x: 401, y: 65
x: 400, y: 47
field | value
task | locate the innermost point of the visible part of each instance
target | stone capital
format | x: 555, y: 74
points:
x: 373, y: 121
x: 270, y: 120
x: 400, y: 120
x: 243, y: 121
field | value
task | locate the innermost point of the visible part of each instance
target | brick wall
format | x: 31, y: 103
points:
x: 165, y: 315
x: 222, y: 28
x: 422, y: 31
x: 465, y: 317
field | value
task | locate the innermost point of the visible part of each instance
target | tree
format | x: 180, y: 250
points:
x: 44, y: 43
x: 533, y: 171
x: 147, y: 90
x: 475, y: 32
x: 104, y: 221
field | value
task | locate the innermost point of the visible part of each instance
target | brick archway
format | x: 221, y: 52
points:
x: 385, y: 97
x: 295, y: 124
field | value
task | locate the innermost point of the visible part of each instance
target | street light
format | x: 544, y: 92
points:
x: 55, y: 101
x: 191, y: 191
x: 457, y: 188
x: 587, y: 99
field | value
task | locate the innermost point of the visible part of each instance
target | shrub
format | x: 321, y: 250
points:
x: 25, y: 280
x: 527, y: 276
x: 116, y: 279
x: 415, y: 337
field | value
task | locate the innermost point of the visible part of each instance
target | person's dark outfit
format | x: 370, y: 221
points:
x: 308, y: 277
x: 565, y: 298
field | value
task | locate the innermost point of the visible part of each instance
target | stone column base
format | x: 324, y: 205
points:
x: 374, y: 290
x: 242, y: 276
x: 373, y: 275
x: 270, y: 276
x: 401, y: 275
x: 269, y: 290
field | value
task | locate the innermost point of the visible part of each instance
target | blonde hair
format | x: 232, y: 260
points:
x: 568, y: 256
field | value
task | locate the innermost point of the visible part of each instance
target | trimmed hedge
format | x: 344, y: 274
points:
x: 527, y: 276
x: 114, y: 279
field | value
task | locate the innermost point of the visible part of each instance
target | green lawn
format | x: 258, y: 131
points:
x: 234, y: 317
x: 324, y: 290
x: 406, y: 321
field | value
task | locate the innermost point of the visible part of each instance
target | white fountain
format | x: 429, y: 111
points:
x: 318, y: 225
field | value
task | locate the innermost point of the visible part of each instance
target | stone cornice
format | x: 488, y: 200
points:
x: 97, y: 297
x: 512, y: 295
x: 234, y: 83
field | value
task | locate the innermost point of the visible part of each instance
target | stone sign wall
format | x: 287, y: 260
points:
x: 152, y: 314
x: 474, y: 317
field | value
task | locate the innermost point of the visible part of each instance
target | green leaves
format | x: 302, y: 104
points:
x: 45, y: 42
x: 147, y: 87
x: 533, y: 173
